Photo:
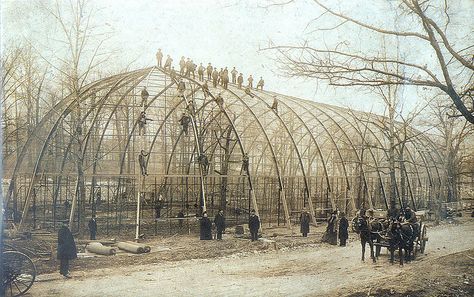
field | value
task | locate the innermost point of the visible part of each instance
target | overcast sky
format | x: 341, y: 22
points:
x: 225, y: 33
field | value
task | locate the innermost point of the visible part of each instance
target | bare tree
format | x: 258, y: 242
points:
x: 83, y: 55
x: 428, y: 27
x: 456, y: 136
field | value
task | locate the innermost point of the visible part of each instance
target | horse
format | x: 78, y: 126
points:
x: 368, y: 232
x: 402, y: 237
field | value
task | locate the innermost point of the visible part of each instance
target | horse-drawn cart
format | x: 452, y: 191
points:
x: 392, y: 235
x: 419, y: 238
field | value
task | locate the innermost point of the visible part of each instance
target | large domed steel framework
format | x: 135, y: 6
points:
x: 83, y: 156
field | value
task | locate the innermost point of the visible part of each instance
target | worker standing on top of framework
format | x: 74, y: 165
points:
x: 201, y: 72
x: 159, y: 57
x: 219, y: 78
x: 192, y: 69
x: 250, y: 80
x: 215, y: 77
x: 188, y: 66
x: 209, y: 71
x: 240, y: 80
x: 168, y: 63
x: 225, y: 79
x: 234, y: 75
x: 260, y: 83
x: 182, y: 65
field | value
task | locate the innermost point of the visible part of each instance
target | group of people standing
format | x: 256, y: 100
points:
x: 334, y: 227
x: 220, y: 225
x: 337, y: 228
x: 188, y: 68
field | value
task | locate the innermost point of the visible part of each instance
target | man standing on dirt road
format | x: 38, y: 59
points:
x: 92, y: 227
x: 66, y: 249
x: 343, y: 226
x: 304, y: 222
x: 219, y: 220
x: 254, y: 225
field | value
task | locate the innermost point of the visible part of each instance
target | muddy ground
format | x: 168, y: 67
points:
x: 281, y: 265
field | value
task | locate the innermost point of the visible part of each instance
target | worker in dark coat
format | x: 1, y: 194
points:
x: 142, y: 162
x: 158, y: 206
x: 66, y: 249
x: 343, y: 226
x: 304, y: 222
x: 410, y: 215
x: 92, y: 228
x: 219, y: 221
x: 254, y: 225
x: 206, y: 226
x: 180, y: 217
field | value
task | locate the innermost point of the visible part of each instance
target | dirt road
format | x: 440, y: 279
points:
x: 316, y: 270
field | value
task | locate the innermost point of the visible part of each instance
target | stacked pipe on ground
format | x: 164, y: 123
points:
x: 98, y: 248
x: 133, y: 247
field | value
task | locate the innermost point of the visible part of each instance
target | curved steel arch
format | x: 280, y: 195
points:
x: 280, y: 182
x: 370, y: 151
x: 41, y: 154
x: 236, y: 134
x: 85, y: 146
x: 54, y: 110
x: 333, y: 141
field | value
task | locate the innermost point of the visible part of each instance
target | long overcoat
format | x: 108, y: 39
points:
x: 205, y: 231
x: 304, y: 222
x: 254, y: 223
x: 343, y: 226
x: 219, y: 220
x: 66, y: 245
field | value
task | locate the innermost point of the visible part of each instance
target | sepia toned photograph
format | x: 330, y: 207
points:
x: 237, y: 148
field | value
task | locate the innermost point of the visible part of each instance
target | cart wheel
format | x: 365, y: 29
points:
x: 19, y: 273
x: 423, y: 239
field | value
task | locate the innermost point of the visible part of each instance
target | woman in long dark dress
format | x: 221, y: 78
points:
x: 206, y: 226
